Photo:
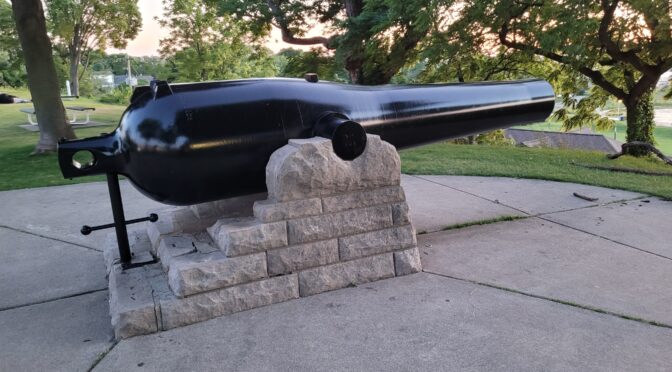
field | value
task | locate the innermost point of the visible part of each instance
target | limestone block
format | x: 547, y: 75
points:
x: 131, y: 303
x: 270, y: 211
x: 236, y: 237
x: 376, y: 242
x: 176, y: 312
x: 309, y: 168
x: 362, y: 199
x: 240, y: 206
x: 176, y: 245
x: 157, y: 229
x: 174, y: 220
x: 400, y: 214
x: 299, y: 257
x: 407, y: 262
x: 344, y: 274
x: 338, y: 224
x: 195, y: 273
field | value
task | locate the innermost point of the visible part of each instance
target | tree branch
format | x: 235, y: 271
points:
x: 594, y: 75
x: 288, y: 35
x: 611, y: 47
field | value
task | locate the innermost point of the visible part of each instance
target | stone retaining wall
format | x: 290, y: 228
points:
x: 325, y: 224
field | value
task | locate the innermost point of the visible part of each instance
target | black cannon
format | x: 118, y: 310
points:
x: 197, y: 142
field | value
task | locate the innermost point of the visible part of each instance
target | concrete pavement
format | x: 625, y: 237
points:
x: 573, y: 285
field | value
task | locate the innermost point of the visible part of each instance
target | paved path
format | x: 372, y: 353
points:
x: 569, y: 285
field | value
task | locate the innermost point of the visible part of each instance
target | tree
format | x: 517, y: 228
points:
x: 204, y: 46
x: 12, y: 71
x: 316, y: 60
x: 372, y: 39
x: 621, y: 47
x: 32, y: 29
x: 83, y: 25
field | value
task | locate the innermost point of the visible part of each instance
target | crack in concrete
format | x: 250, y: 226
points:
x: 53, y: 299
x: 102, y: 356
x: 605, y: 238
x: 540, y: 216
x: 49, y: 237
x: 522, y: 211
x: 555, y: 300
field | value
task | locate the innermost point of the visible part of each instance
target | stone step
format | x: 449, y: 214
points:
x: 175, y: 245
x: 142, y: 302
x: 195, y: 273
x: 375, y: 242
x: 345, y: 274
x: 241, y: 236
x: 194, y: 264
x: 330, y: 225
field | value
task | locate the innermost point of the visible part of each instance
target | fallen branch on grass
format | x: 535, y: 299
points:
x: 648, y: 146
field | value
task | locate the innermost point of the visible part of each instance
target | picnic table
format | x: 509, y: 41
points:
x: 30, y: 112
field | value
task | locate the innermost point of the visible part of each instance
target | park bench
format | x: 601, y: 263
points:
x: 30, y: 112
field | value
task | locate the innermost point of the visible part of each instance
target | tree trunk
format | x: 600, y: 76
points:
x: 640, y: 122
x: 44, y: 89
x: 74, y: 73
x: 354, y: 61
x: 354, y: 72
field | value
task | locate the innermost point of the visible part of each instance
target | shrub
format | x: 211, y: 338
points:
x: 120, y: 95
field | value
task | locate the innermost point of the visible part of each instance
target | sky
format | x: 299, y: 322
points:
x: 147, y: 41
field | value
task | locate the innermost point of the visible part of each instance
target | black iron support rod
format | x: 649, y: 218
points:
x: 119, y: 219
x: 86, y: 229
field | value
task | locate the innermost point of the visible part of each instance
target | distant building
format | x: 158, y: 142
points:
x: 582, y: 140
x: 104, y: 79
x: 107, y: 80
x: 123, y: 79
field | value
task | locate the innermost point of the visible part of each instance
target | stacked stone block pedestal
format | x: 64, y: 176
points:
x: 325, y: 224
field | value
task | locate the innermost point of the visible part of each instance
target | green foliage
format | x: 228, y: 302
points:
x: 82, y: 26
x: 298, y: 63
x: 120, y: 95
x: 495, y: 137
x: 117, y: 64
x: 94, y: 24
x: 12, y: 70
x: 371, y: 39
x: 204, y: 46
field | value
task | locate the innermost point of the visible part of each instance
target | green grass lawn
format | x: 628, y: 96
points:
x: 663, y: 135
x: 549, y: 164
x: 18, y: 169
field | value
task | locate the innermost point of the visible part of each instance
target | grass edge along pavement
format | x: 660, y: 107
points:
x: 538, y: 163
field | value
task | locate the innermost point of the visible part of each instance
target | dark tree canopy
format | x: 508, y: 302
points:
x: 12, y: 71
x: 372, y: 39
x: 622, y: 47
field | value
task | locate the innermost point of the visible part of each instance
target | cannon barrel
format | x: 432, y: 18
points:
x: 191, y: 143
